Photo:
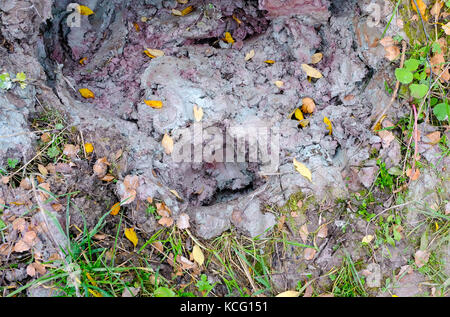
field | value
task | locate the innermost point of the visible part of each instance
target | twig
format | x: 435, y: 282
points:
x: 397, y: 86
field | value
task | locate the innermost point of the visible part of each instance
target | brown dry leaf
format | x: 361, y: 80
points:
x: 57, y: 207
x: 156, y: 104
x: 99, y: 236
x: 101, y: 167
x: 39, y: 268
x: 46, y: 137
x: 108, y: 178
x: 177, y: 12
x: 386, y: 137
x: 309, y: 253
x: 311, y: 71
x: 86, y: 93
x: 131, y: 235
x: 392, y: 52
x: 25, y: 183
x: 438, y: 63
x: 316, y: 58
x: 166, y: 221
x: 323, y: 231
x: 71, y: 150
x: 446, y: 28
x: 198, y: 113
x: 308, y: 291
x: 198, y: 255
x: 415, y: 176
x: 434, y: 137
x: 44, y: 192
x: 281, y: 222
x: 421, y: 258
x: 115, y: 209
x: 308, y: 105
x: 304, y: 233
x: 183, y: 221
x: 42, y: 169
x: 162, y: 210
x: 249, y: 55
x: 31, y: 271
x: 387, y: 41
x: 5, y: 180
x: 19, y: 224
x: 130, y: 183
x: 167, y: 144
x: 185, y: 263
x: 131, y: 292
x: 400, y: 23
x: 436, y: 9
x: 158, y: 246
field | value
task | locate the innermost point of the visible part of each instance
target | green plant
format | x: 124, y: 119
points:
x: 204, y: 286
x: 384, y: 179
x: 346, y: 281
x: 6, y: 82
x: 12, y: 163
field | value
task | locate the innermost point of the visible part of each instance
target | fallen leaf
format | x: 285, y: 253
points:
x: 386, y: 137
x: 156, y: 104
x: 414, y: 176
x: 148, y: 54
x: 57, y: 207
x: 130, y: 185
x: 316, y: 58
x: 304, y: 233
x: 155, y: 52
x: 158, y: 246
x: 86, y: 93
x: 108, y: 178
x: 281, y: 222
x: 309, y: 253
x: 82, y: 61
x: 197, y: 255
x: 31, y: 271
x: 83, y: 10
x: 167, y: 144
x: 44, y: 191
x: 187, y: 10
x: 19, y: 224
x: 101, y: 167
x: 392, y: 52
x: 249, y: 55
x: 228, y: 38
x: 166, y: 221
x: 132, y: 236
x: 308, y: 105
x: 323, y: 231
x: 42, y: 169
x: 198, y: 113
x: 5, y: 180
x: 183, y: 221
x: 279, y: 84
x: 422, y: 8
x: 185, y: 263
x: 46, y: 137
x: 303, y: 170
x: 236, y: 19
x: 421, y: 258
x: 39, y: 268
x: 25, y: 183
x: 436, y: 9
x: 136, y: 27
x: 269, y: 61
x: 446, y: 28
x: 329, y: 125
x: 311, y: 71
x: 387, y: 41
x: 115, y: 209
x: 367, y: 239
x: 131, y: 291
x: 177, y: 12
x: 71, y: 150
x: 163, y: 210
x: 88, y: 147
x: 308, y: 291
x: 289, y: 294
x: 299, y: 115
x: 434, y: 137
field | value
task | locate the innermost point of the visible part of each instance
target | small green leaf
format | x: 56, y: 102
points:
x: 164, y: 292
x: 59, y: 126
x: 418, y: 91
x: 403, y: 75
x: 12, y: 163
x: 53, y: 152
x: 412, y: 64
x: 2, y: 225
x: 442, y: 111
x: 21, y: 77
x: 436, y: 48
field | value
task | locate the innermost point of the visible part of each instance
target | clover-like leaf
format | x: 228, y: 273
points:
x: 404, y: 76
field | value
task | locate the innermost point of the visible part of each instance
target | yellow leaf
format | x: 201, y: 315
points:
x: 279, y: 84
x: 197, y: 255
x: 249, y: 55
x: 154, y: 103
x: 148, y: 54
x: 299, y: 115
x: 88, y: 147
x: 422, y: 7
x: 367, y: 239
x: 316, y: 58
x: 237, y: 20
x: 167, y: 144
x: 132, y: 236
x: 311, y: 71
x: 83, y: 60
x: 269, y: 61
x: 155, y: 52
x: 328, y: 123
x: 187, y: 10
x: 86, y: 93
x: 93, y: 282
x: 228, y: 38
x: 94, y: 293
x: 198, y: 113
x: 173, y: 191
x: 289, y: 294
x: 115, y: 209
x: 302, y: 169
x: 83, y: 10
x: 177, y: 12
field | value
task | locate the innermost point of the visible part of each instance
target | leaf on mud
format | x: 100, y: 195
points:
x: 88, y: 147
x: 329, y: 125
x: 387, y: 41
x: 42, y: 169
x: 198, y: 255
x: 308, y: 105
x: 311, y: 71
x: 163, y: 210
x: 185, y: 263
x: 289, y: 294
x: 101, y: 167
x: 279, y: 83
x: 148, y: 54
x: 323, y: 231
x: 115, y: 209
x: 392, y: 52
x: 155, y: 52
x: 31, y: 271
x: 187, y: 10
x: 421, y: 258
x: 303, y: 170
x: 249, y: 55
x: 46, y: 137
x: 71, y: 150
x: 166, y: 221
x: 228, y: 38
x: 107, y: 178
x: 131, y: 235
x: 367, y: 239
x: 386, y: 137
x: 316, y: 58
x: 83, y: 10
x: 414, y: 176
x: 438, y: 64
x: 25, y: 183
x: 158, y: 246
x: 434, y: 137
x: 128, y: 190
x: 177, y: 12
x: 198, y: 113
x: 309, y: 253
x: 86, y: 93
x: 304, y: 233
x: 183, y: 221
x: 422, y: 8
x: 156, y: 104
x: 299, y: 115
x: 446, y: 28
x: 269, y: 61
x: 167, y: 144
x: 82, y: 61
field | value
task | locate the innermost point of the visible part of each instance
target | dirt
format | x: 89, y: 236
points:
x: 200, y: 68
